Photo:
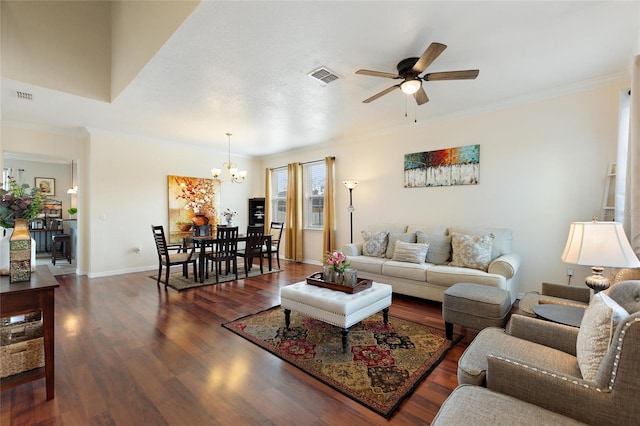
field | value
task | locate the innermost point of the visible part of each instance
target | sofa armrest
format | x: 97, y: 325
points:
x: 579, y: 294
x: 506, y: 265
x: 557, y: 336
x: 567, y: 395
x: 354, y: 249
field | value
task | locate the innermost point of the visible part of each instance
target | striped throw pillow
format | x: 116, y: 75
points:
x: 410, y: 252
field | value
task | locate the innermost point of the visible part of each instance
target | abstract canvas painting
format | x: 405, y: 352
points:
x: 188, y: 197
x: 444, y: 167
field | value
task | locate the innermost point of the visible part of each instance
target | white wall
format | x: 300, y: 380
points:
x: 542, y: 166
x: 128, y: 181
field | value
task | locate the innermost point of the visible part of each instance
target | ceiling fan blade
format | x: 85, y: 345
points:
x: 378, y: 95
x: 452, y: 75
x: 433, y: 51
x: 377, y: 74
x: 421, y: 96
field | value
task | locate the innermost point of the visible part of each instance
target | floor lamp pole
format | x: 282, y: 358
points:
x: 350, y: 184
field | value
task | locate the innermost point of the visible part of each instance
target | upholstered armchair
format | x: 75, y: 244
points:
x: 554, y: 366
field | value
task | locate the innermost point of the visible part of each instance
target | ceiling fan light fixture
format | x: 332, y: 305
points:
x: 410, y: 86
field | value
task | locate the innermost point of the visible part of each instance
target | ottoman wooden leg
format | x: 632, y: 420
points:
x: 287, y: 318
x: 448, y: 330
x: 345, y: 335
x: 385, y: 315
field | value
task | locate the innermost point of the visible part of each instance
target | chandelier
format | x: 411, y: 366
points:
x: 229, y: 169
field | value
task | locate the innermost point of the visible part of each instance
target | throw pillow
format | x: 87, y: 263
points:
x: 410, y: 252
x: 600, y: 320
x: 396, y: 236
x: 471, y: 251
x: 439, y: 247
x: 375, y: 243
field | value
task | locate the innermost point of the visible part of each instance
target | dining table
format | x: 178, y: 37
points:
x: 202, y: 241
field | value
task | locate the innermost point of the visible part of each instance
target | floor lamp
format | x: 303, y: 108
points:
x: 350, y: 184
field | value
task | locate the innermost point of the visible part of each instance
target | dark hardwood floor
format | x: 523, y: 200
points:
x: 129, y: 353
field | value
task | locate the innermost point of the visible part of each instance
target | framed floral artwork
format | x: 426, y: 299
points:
x: 191, y: 199
x: 47, y: 186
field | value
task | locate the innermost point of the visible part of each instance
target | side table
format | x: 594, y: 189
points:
x: 29, y: 296
x: 562, y: 314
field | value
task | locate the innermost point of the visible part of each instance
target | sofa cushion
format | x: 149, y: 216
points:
x: 447, y: 276
x: 501, y: 242
x: 375, y: 243
x: 600, y: 320
x: 439, y: 247
x: 409, y: 271
x: 471, y: 251
x: 369, y: 264
x: 431, y: 230
x: 398, y: 236
x: 410, y: 252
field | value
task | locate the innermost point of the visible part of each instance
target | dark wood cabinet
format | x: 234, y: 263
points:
x: 256, y: 211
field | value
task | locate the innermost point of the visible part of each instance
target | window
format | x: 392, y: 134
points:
x: 314, y: 177
x: 279, y: 194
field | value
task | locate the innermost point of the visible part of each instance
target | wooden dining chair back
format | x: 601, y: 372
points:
x: 172, y: 254
x: 225, y: 250
x: 276, y: 236
x: 253, y: 247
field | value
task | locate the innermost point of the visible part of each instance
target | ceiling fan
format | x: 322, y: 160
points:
x: 409, y: 71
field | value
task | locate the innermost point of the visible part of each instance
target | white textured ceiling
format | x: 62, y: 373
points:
x: 242, y: 67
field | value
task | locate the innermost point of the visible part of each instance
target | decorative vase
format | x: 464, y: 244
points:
x: 20, y: 252
x: 339, y: 277
x: 199, y: 219
x: 5, y: 237
x: 230, y: 221
x: 328, y: 274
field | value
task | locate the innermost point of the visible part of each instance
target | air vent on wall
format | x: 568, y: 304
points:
x: 25, y: 95
x: 324, y: 75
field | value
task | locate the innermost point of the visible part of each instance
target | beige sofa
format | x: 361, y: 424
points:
x: 429, y: 280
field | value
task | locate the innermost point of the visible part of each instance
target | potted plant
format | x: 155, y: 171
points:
x: 72, y: 212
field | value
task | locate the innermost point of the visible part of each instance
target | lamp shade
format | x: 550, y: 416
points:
x: 599, y: 243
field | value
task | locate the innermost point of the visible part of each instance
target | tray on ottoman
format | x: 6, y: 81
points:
x: 316, y: 279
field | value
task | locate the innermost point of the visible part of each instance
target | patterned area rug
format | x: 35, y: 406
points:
x: 179, y: 283
x: 383, y: 363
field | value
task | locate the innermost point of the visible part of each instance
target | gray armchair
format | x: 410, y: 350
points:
x: 537, y: 362
x: 555, y: 293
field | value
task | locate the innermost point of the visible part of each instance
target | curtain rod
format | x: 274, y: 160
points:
x: 306, y: 162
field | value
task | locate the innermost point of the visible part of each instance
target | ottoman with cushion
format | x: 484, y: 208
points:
x: 335, y: 307
x: 475, y: 306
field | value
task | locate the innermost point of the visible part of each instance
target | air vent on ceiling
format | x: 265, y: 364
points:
x: 324, y: 75
x: 25, y: 95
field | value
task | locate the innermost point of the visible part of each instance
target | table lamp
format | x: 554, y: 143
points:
x: 599, y: 243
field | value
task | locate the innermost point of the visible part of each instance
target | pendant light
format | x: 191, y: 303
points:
x: 230, y: 170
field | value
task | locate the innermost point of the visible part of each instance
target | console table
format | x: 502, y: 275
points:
x: 21, y: 298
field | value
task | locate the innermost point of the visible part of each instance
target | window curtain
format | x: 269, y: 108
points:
x: 628, y: 192
x: 293, y: 222
x: 267, y: 200
x: 329, y: 230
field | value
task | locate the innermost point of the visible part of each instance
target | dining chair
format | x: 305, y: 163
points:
x: 225, y: 250
x: 253, y: 247
x: 167, y: 259
x: 276, y: 236
x: 204, y: 231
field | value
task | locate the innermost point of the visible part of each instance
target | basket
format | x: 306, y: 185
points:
x: 316, y: 279
x: 19, y: 357
x: 21, y: 331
